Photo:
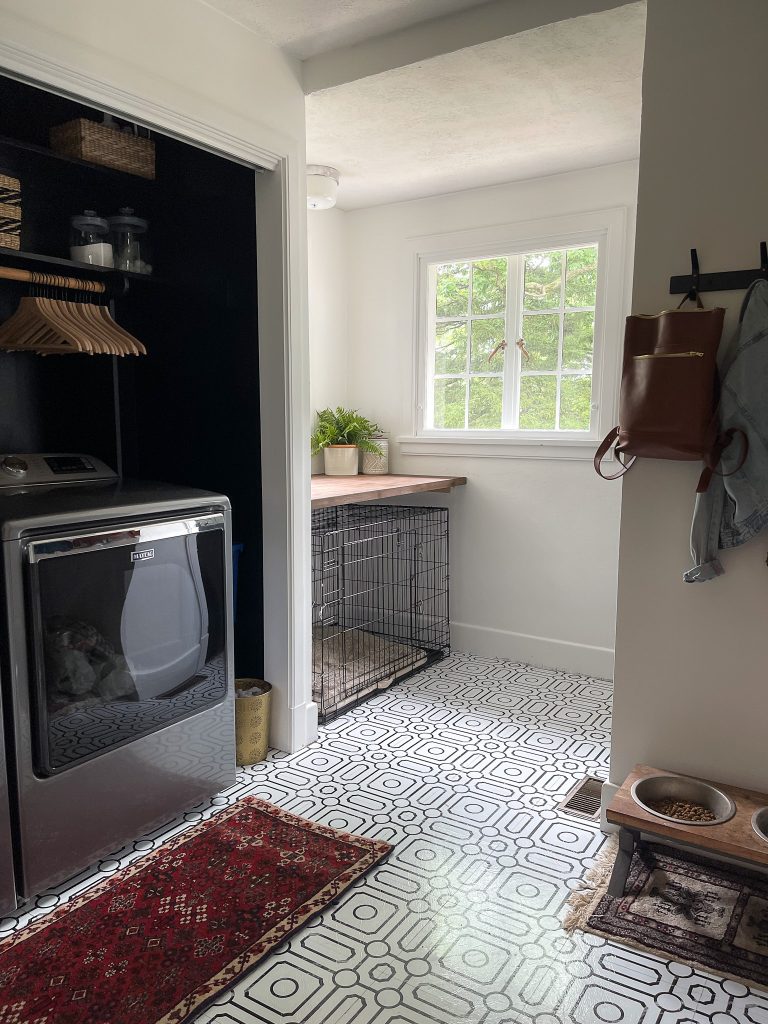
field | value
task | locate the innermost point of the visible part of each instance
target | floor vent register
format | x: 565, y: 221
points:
x: 583, y: 801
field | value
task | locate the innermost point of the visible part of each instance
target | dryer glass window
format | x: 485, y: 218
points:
x: 129, y: 638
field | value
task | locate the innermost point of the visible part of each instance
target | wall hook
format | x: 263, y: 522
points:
x: 694, y: 292
x: 690, y: 285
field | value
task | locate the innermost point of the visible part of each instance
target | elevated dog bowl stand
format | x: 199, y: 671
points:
x: 734, y: 838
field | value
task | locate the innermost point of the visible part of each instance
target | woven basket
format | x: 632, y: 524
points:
x: 10, y: 212
x: 101, y: 144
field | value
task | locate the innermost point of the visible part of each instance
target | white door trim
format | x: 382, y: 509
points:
x: 283, y: 359
x: 36, y: 68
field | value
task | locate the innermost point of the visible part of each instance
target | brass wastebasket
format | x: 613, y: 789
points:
x: 251, y: 720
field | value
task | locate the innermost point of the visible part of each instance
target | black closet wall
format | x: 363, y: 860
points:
x: 188, y: 412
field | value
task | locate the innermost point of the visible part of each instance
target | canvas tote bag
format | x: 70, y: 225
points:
x: 669, y: 391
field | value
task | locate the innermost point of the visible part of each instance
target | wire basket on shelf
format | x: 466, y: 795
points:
x: 379, y: 599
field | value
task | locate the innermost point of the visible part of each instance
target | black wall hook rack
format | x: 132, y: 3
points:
x: 722, y: 281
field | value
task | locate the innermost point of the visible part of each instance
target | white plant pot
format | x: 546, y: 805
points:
x: 341, y: 459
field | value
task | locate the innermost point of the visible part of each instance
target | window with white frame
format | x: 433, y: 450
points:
x: 511, y: 343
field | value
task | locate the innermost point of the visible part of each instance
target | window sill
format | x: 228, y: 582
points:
x: 500, y: 447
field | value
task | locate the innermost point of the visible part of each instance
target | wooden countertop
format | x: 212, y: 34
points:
x: 735, y: 837
x: 344, y: 490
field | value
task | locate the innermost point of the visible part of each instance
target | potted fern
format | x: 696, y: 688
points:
x: 341, y: 434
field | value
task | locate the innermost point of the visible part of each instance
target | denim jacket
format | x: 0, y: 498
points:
x: 734, y: 508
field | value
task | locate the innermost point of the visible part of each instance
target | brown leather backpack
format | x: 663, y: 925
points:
x: 669, y: 392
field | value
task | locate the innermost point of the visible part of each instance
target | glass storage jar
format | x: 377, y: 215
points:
x: 88, y: 241
x: 128, y: 234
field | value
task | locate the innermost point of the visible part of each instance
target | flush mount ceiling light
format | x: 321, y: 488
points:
x: 322, y: 186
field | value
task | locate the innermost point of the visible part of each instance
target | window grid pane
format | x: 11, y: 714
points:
x: 485, y: 402
x: 469, y: 327
x: 571, y: 338
x: 473, y: 304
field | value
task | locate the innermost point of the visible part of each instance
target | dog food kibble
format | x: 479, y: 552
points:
x: 684, y: 810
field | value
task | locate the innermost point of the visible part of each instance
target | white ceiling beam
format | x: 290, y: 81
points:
x: 441, y: 35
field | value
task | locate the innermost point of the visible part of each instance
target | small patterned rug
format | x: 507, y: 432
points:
x: 696, y: 911
x: 156, y: 942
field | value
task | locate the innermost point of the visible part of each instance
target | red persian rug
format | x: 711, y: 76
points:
x: 154, y: 943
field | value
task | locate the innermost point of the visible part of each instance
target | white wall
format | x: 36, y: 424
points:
x: 327, y: 260
x: 181, y: 66
x: 691, y: 691
x: 534, y: 543
x: 179, y: 53
x: 328, y: 308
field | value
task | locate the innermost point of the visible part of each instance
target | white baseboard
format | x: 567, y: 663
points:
x: 542, y: 651
x: 308, y: 722
x: 295, y: 729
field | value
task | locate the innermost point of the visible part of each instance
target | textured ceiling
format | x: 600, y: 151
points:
x: 308, y: 27
x: 556, y: 98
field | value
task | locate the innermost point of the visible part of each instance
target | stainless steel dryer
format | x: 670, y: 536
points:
x: 8, y: 899
x: 117, y: 669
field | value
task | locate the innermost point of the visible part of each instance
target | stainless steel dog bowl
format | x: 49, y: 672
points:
x: 679, y: 787
x: 760, y: 823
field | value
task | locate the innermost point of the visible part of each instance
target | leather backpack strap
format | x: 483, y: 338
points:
x: 603, y: 450
x: 692, y: 295
x: 716, y: 454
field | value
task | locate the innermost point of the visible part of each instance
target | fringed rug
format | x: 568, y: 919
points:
x: 154, y: 943
x: 698, y: 912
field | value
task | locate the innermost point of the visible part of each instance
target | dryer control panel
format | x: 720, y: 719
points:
x: 51, y: 468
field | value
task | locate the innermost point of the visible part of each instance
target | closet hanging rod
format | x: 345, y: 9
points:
x: 52, y: 280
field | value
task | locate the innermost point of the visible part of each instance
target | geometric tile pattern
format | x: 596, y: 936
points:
x: 85, y: 729
x: 462, y: 768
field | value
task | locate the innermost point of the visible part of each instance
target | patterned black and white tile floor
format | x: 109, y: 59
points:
x: 462, y: 767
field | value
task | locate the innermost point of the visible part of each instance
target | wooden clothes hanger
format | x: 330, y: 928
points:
x: 32, y: 328
x: 78, y: 315
x: 55, y: 312
x: 59, y: 326
x: 102, y: 315
x: 103, y: 333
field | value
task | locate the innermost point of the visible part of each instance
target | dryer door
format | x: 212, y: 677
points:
x: 130, y: 630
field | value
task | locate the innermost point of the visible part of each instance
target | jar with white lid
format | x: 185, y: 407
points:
x: 88, y: 241
x: 129, y: 237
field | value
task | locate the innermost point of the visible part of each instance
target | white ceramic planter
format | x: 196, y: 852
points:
x: 341, y: 459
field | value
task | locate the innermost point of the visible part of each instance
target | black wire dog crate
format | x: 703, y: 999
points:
x: 379, y: 599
